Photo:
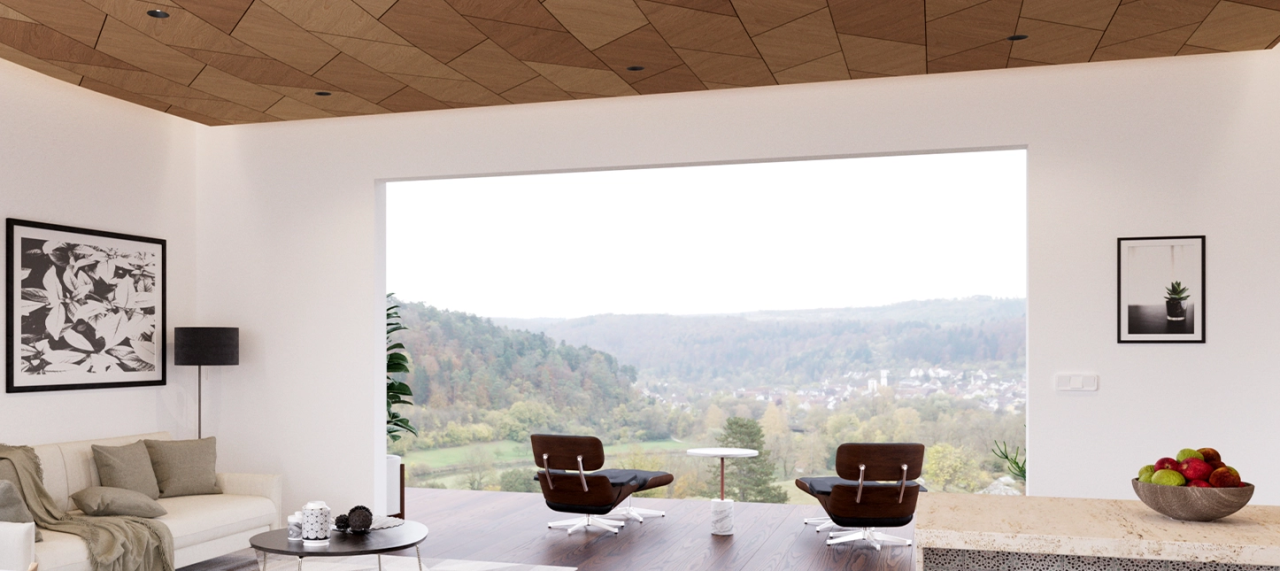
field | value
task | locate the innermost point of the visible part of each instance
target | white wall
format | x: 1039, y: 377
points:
x: 75, y: 157
x: 289, y: 223
x: 283, y: 240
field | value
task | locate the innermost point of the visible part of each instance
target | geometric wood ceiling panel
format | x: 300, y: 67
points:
x: 223, y: 62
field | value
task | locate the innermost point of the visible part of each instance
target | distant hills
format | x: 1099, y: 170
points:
x: 803, y: 346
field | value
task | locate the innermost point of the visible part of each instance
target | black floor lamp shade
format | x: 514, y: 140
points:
x: 206, y: 346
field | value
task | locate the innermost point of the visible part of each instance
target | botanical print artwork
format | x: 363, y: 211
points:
x: 88, y: 310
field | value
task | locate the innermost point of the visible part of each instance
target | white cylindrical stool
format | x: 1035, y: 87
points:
x: 721, y: 517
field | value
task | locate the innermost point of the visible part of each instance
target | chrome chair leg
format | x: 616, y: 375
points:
x: 637, y: 514
x: 587, y: 521
x: 823, y: 523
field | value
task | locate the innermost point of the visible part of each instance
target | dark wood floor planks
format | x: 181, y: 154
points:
x: 510, y: 527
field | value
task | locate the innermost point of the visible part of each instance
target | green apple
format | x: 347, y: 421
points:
x: 1168, y: 478
x: 1146, y: 471
x: 1189, y: 453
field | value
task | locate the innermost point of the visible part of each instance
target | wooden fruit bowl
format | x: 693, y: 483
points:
x: 1193, y: 504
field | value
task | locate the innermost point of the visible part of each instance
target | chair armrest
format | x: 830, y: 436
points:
x: 17, y: 545
x: 270, y: 486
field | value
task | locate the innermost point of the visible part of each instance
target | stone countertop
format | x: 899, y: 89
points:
x: 1090, y: 527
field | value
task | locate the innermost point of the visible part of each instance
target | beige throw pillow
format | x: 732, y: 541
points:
x: 127, y: 467
x: 12, y: 508
x: 116, y: 501
x: 184, y: 467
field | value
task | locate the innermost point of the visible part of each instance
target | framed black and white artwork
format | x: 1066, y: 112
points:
x: 85, y: 310
x: 1161, y: 289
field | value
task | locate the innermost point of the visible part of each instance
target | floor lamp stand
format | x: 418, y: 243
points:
x: 199, y: 401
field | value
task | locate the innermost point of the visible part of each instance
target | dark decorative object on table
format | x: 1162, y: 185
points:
x: 340, y: 522
x: 359, y: 520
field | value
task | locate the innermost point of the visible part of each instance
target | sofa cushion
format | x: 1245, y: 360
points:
x: 127, y: 467
x: 185, y: 467
x: 13, y: 508
x: 68, y: 466
x: 197, y: 519
x: 101, y: 501
x: 62, y: 552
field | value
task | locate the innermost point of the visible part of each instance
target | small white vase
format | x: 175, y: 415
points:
x: 295, y: 527
x: 315, y: 523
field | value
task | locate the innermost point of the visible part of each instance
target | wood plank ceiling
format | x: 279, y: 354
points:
x: 247, y: 61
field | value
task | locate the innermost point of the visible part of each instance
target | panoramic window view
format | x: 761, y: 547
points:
x: 784, y: 307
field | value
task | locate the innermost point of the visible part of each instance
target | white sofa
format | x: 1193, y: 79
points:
x: 203, y: 527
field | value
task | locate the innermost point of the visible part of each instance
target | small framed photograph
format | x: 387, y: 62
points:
x: 1161, y: 289
x: 86, y: 309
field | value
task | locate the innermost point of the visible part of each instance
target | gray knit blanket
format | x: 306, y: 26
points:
x: 116, y: 543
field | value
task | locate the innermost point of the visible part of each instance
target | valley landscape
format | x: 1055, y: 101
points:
x: 946, y: 373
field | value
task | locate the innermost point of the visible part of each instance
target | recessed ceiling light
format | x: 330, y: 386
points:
x: 636, y: 68
x: 158, y: 14
x: 323, y: 93
x: 1017, y: 37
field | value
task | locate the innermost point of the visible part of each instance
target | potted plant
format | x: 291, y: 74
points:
x: 1175, y: 301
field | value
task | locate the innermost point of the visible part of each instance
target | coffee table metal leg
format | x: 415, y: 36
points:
x: 262, y: 565
x: 418, y: 552
x: 299, y: 564
x: 379, y: 562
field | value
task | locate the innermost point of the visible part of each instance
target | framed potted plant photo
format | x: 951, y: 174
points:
x: 85, y: 310
x: 1161, y: 290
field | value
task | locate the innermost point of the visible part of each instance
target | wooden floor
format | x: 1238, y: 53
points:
x: 512, y: 527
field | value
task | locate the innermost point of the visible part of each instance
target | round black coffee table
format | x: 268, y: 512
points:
x: 342, y: 544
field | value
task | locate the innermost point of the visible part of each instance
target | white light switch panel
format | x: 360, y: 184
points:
x: 1075, y: 382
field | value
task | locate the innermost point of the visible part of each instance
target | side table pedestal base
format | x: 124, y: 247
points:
x: 722, y: 517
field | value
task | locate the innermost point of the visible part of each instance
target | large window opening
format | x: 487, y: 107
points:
x: 838, y: 300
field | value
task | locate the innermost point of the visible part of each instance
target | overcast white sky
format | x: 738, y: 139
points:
x: 713, y: 239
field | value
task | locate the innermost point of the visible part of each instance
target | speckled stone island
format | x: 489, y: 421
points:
x: 966, y: 560
x: 967, y: 532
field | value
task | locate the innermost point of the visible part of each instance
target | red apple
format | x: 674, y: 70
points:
x: 1198, y: 484
x: 1195, y: 469
x: 1217, y: 464
x: 1223, y: 478
x: 1166, y: 464
x: 1210, y: 455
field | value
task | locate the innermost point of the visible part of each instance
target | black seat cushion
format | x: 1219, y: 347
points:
x: 870, y: 521
x: 821, y: 486
x: 642, y: 479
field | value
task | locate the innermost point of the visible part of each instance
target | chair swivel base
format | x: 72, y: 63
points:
x: 823, y: 523
x: 637, y: 514
x: 875, y: 538
x: 587, y: 521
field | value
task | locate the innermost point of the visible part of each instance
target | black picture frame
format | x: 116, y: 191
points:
x: 1145, y: 263
x: 70, y: 279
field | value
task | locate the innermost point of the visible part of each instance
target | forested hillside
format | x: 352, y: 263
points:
x: 497, y: 383
x: 800, y: 347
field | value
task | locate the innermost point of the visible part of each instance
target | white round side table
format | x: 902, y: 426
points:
x: 722, y: 509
